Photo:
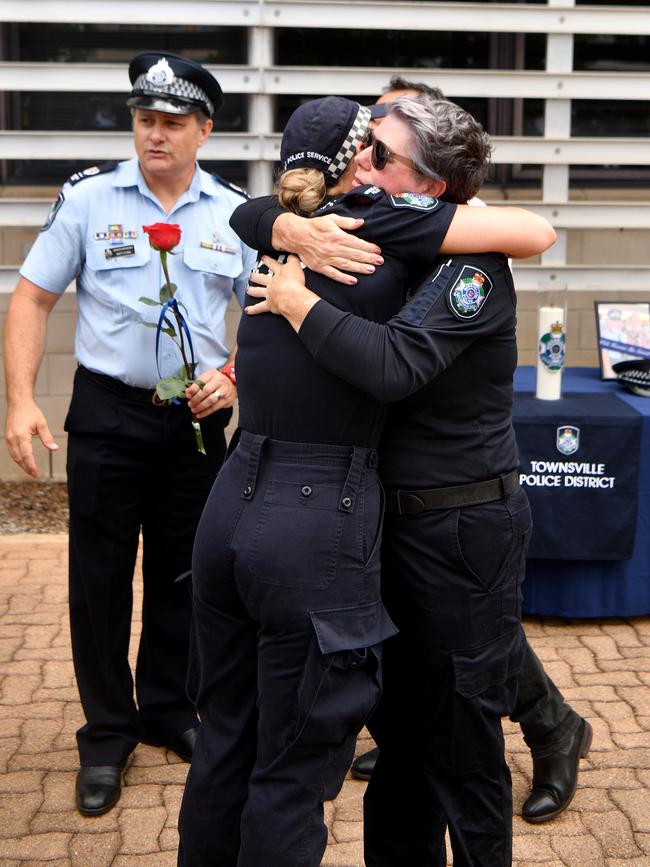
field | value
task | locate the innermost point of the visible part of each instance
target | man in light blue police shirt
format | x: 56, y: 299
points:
x: 133, y: 464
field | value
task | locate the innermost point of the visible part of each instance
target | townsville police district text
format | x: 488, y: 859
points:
x: 566, y: 474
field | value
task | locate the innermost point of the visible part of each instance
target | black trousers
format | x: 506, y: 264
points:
x: 451, y: 583
x: 547, y: 721
x: 132, y: 467
x: 288, y: 628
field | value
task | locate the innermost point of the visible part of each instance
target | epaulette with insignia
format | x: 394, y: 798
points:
x: 366, y: 191
x: 92, y: 171
x: 417, y: 201
x: 371, y: 191
x: 364, y: 195
x: 230, y: 186
x: 326, y: 206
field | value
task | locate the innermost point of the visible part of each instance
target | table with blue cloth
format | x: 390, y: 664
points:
x: 570, y: 587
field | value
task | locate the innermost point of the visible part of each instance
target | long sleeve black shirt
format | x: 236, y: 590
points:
x: 283, y: 392
x: 448, y: 359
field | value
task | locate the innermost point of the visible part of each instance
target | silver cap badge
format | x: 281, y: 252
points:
x: 161, y: 73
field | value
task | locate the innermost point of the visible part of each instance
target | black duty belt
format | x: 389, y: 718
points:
x: 129, y: 392
x: 454, y: 497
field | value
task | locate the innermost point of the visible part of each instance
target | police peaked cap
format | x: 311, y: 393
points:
x: 323, y: 134
x: 635, y: 374
x: 166, y: 82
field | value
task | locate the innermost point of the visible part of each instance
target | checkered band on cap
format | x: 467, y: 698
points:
x: 177, y: 88
x: 349, y: 146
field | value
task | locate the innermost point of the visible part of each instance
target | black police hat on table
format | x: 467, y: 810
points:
x: 635, y: 374
x: 166, y: 82
x: 323, y: 134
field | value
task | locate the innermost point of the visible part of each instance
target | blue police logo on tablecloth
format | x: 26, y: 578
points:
x: 551, y: 347
x: 470, y: 291
x: 419, y: 201
x: 568, y: 439
x: 579, y: 460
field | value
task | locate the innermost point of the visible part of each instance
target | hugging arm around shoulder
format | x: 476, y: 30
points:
x: 395, y: 360
x: 253, y: 221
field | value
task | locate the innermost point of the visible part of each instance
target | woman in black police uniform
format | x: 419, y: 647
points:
x: 286, y: 568
x: 286, y: 565
x: 455, y: 539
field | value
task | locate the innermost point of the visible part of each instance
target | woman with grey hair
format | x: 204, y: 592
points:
x: 448, y: 145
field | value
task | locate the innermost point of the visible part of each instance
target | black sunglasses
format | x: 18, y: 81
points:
x: 381, y: 154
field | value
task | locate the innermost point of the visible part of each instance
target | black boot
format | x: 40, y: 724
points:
x: 182, y: 744
x: 98, y: 789
x: 364, y: 765
x: 555, y: 778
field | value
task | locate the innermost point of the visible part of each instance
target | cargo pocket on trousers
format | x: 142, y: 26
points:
x: 490, y: 666
x: 341, y: 682
x: 486, y: 688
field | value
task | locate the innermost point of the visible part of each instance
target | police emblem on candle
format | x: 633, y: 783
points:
x: 550, y: 353
x: 551, y: 347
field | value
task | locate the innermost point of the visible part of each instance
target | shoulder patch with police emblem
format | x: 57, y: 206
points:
x: 230, y: 186
x: 365, y: 194
x: 469, y: 292
x: 92, y: 171
x: 417, y: 201
x: 54, y: 210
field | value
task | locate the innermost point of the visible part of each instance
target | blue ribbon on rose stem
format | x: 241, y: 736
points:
x: 172, y: 304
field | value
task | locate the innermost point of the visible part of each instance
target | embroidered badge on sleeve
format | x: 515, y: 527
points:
x: 469, y: 292
x: 54, y: 210
x: 418, y: 201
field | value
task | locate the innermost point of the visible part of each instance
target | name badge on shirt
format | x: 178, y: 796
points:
x: 117, y: 252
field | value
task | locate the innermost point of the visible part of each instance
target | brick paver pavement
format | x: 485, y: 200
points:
x: 602, y: 667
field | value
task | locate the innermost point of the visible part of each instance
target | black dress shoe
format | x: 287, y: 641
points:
x: 364, y: 765
x: 555, y: 778
x: 183, y: 744
x: 97, y: 789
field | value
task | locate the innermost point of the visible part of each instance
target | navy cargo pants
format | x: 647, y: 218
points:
x: 288, y: 628
x: 451, y: 583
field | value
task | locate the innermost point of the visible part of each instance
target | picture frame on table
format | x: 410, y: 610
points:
x: 623, y: 333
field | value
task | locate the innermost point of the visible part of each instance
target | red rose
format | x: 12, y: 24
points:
x: 163, y: 236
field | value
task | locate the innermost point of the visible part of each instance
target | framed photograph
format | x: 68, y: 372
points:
x: 623, y: 329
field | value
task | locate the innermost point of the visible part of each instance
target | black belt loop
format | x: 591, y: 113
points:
x: 509, y: 482
x: 454, y: 497
x: 353, y: 478
x: 256, y: 443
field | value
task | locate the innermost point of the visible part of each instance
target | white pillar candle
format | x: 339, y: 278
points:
x: 550, y: 352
